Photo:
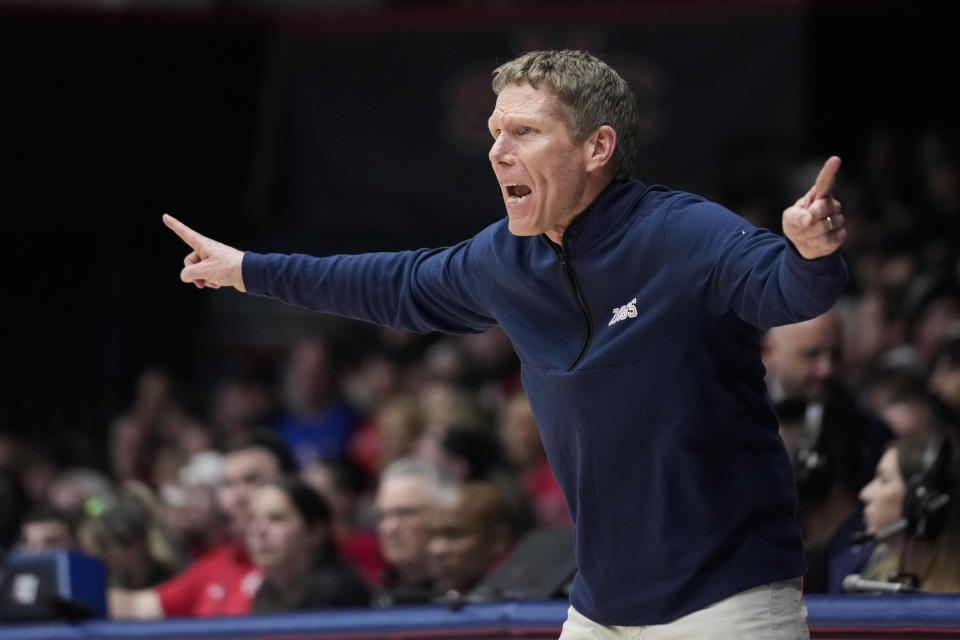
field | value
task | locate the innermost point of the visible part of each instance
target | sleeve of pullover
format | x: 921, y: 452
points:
x: 727, y: 264
x: 421, y: 291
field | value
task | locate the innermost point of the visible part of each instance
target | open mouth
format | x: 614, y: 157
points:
x: 517, y: 192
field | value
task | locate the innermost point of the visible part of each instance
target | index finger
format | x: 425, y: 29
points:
x: 824, y: 184
x: 186, y: 234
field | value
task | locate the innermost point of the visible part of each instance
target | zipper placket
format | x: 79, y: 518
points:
x: 561, y: 251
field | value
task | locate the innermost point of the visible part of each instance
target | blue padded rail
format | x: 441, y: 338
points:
x: 851, y: 615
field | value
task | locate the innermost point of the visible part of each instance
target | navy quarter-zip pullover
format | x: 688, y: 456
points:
x: 639, y: 340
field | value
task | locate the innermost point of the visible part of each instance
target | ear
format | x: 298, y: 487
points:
x: 599, y: 148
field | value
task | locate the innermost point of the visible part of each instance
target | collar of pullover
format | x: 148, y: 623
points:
x: 606, y: 212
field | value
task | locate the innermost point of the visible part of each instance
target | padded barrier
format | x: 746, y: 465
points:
x: 849, y: 617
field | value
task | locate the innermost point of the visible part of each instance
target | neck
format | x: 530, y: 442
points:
x: 412, y: 573
x: 894, y: 543
x: 596, y: 185
x: 290, y: 578
x: 532, y: 464
x: 556, y: 235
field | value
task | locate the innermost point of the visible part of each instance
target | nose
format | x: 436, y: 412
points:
x: 500, y: 151
x: 437, y: 546
x: 826, y: 367
x: 822, y: 369
x: 865, y: 493
x: 387, y: 525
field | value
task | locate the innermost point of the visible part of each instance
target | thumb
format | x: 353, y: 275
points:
x: 194, y: 270
x: 192, y: 273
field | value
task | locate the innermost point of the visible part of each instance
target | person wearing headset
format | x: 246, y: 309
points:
x: 911, y: 513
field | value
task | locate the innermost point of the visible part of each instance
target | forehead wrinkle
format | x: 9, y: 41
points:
x: 527, y: 104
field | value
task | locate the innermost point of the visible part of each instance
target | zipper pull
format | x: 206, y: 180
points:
x: 561, y: 253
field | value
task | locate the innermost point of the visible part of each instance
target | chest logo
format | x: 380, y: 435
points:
x: 628, y: 310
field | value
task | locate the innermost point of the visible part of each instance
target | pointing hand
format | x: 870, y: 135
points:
x: 814, y: 224
x: 211, y: 264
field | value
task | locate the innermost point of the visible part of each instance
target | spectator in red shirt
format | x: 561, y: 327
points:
x: 224, y: 580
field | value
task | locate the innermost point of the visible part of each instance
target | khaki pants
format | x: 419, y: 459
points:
x: 771, y: 612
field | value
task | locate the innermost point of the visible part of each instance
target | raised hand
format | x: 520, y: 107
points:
x: 814, y: 224
x: 211, y: 264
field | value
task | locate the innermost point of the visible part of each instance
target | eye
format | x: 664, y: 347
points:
x: 524, y: 130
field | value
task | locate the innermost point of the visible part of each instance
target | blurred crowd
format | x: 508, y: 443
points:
x: 404, y: 477
x: 399, y: 468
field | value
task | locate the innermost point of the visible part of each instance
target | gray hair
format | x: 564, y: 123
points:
x: 590, y: 93
x: 438, y: 481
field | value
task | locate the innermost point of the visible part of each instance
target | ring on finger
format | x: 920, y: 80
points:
x: 829, y: 224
